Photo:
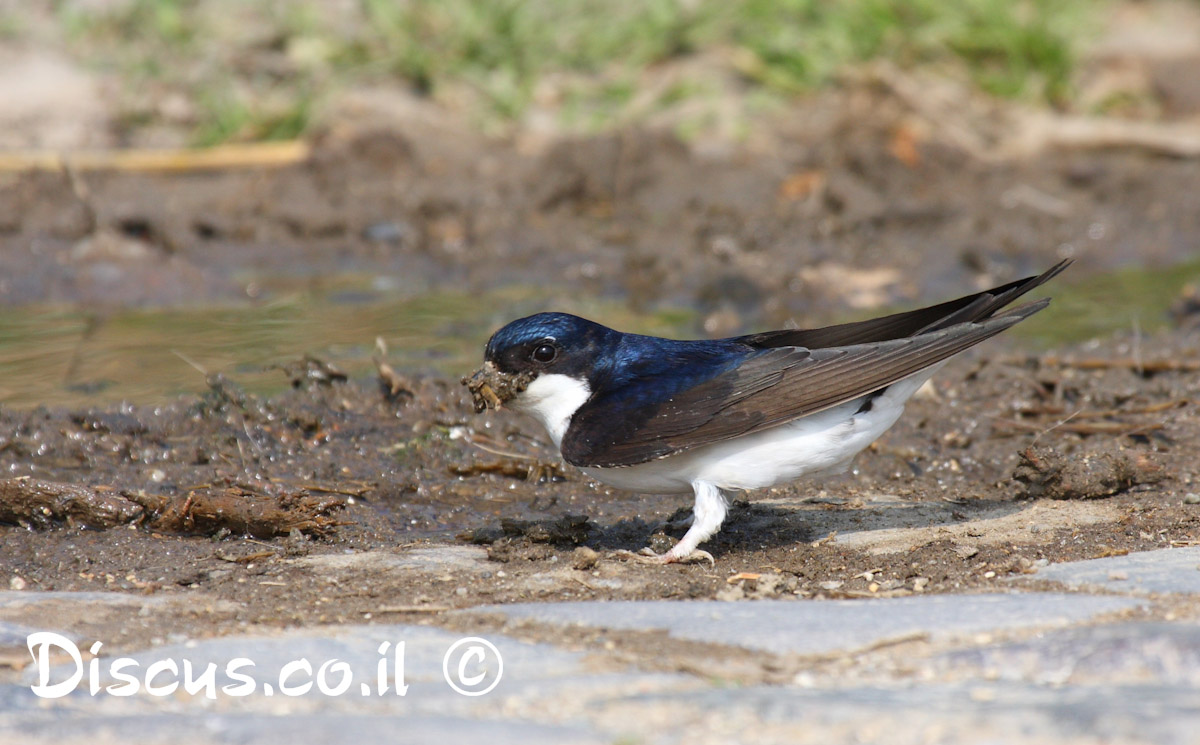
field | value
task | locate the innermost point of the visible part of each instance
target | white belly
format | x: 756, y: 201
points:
x: 825, y: 442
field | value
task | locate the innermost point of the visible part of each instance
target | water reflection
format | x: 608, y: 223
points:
x: 72, y: 357
x: 81, y: 357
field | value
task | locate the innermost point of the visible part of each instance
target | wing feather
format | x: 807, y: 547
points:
x: 772, y: 387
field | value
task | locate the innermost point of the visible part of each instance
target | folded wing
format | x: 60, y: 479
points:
x: 974, y: 307
x: 783, y: 381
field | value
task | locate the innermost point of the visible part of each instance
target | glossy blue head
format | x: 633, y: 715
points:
x: 556, y: 343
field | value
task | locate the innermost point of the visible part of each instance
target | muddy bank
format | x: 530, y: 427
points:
x: 849, y: 204
x: 340, y: 498
x: 124, y: 283
x: 446, y: 509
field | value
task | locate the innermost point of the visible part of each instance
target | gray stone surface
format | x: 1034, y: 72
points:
x: 26, y: 598
x: 526, y: 667
x: 974, y: 712
x: 1168, y: 570
x: 1157, y: 653
x: 992, y: 713
x: 14, y: 634
x: 326, y: 729
x: 426, y: 559
x: 826, y: 626
x: 1071, y: 672
x: 541, y: 697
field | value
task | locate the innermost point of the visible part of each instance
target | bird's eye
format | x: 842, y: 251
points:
x: 544, y: 353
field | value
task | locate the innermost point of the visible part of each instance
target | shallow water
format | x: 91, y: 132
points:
x: 73, y: 357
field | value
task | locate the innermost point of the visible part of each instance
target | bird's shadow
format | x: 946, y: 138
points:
x: 751, y: 526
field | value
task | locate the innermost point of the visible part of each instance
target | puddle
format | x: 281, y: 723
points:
x: 64, y: 357
x: 1132, y: 299
x: 58, y: 356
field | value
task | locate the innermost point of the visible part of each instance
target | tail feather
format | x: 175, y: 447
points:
x: 986, y: 304
x: 970, y: 308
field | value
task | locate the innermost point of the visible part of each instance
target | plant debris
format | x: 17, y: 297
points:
x: 393, y: 382
x: 37, y: 504
x: 310, y: 372
x: 208, y: 511
x: 490, y: 388
x: 237, y: 509
x: 1048, y: 473
x: 533, y: 471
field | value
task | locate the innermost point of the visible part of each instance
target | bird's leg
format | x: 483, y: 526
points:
x: 708, y: 514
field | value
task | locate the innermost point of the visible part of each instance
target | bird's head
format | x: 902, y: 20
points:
x: 558, y: 348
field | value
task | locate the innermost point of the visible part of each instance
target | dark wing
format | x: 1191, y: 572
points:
x: 770, y: 388
x: 966, y: 309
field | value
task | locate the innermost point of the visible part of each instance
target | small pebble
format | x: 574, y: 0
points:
x: 989, y: 575
x: 1117, y: 576
x: 158, y: 475
x: 956, y: 440
x: 584, y: 558
x: 660, y: 543
x: 730, y: 593
x: 387, y: 232
x: 460, y: 591
x: 17, y: 583
x: 1191, y: 498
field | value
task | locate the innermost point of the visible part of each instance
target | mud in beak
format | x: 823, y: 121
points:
x: 491, y: 388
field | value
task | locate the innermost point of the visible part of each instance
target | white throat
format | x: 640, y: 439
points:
x: 553, y: 400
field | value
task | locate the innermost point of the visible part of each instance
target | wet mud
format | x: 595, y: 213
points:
x: 383, y: 497
x: 332, y: 501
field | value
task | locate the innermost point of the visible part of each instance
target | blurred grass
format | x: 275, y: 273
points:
x: 254, y: 70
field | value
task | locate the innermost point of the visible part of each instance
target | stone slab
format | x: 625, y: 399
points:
x: 1132, y: 652
x: 814, y: 627
x: 913, y: 714
x: 1168, y: 570
x: 542, y: 695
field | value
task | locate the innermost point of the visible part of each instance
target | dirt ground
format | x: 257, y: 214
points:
x: 350, y: 500
x: 853, y: 201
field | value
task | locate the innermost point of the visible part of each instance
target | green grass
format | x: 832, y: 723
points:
x: 228, y: 56
x: 1010, y: 48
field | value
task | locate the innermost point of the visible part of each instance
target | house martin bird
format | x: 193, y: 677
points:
x: 710, y: 417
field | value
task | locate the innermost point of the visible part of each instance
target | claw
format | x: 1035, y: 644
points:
x: 697, y: 556
x: 647, y: 556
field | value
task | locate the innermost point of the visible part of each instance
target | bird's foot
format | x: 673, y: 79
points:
x: 648, y: 556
